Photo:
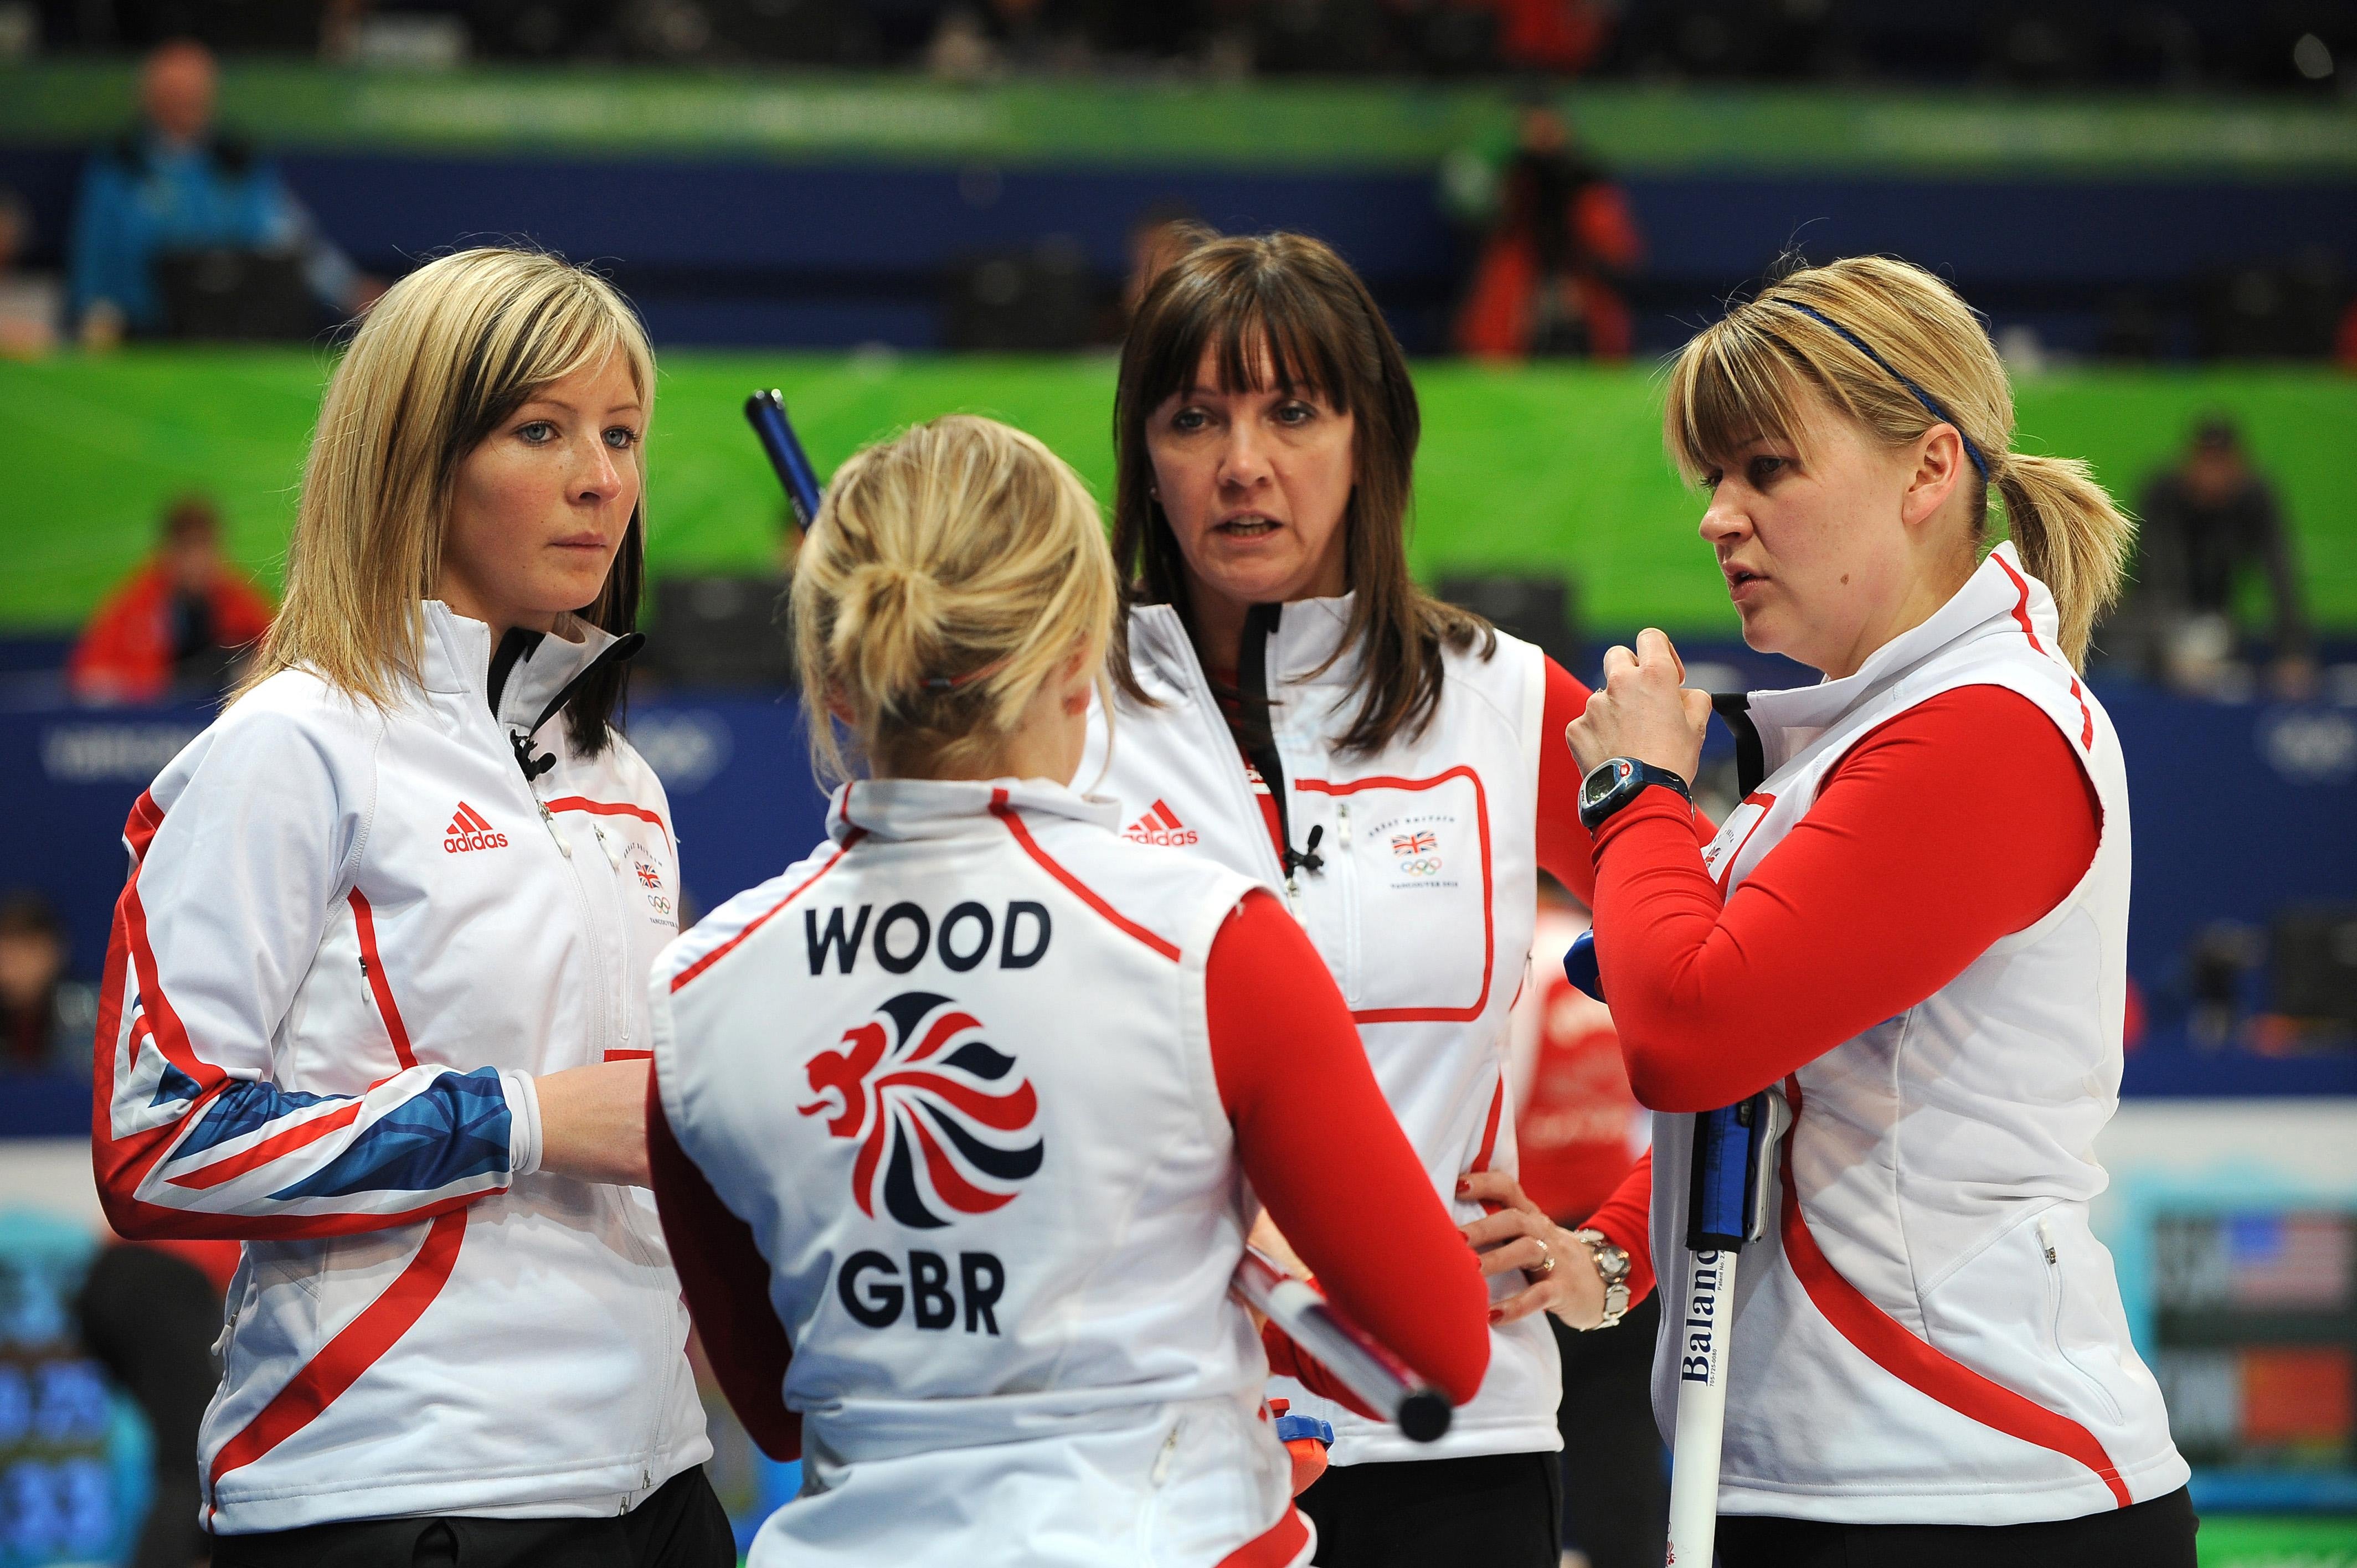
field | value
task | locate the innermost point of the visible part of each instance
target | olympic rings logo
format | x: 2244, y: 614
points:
x: 1427, y: 866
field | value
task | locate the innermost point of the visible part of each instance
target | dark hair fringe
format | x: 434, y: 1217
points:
x: 600, y: 705
x: 1293, y: 298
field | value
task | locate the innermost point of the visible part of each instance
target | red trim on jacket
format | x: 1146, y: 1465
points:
x: 270, y: 1148
x: 1889, y: 1344
x: 1079, y: 889
x: 1489, y: 884
x: 758, y: 921
x: 2021, y: 619
x: 356, y: 1348
x: 609, y: 809
x: 380, y: 985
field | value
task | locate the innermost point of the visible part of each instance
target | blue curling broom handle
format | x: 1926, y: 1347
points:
x: 1726, y: 1207
x: 765, y: 412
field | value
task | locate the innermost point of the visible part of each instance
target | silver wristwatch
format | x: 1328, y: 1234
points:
x: 1612, y: 1264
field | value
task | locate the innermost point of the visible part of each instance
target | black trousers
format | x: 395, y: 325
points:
x: 2155, y: 1534
x: 1497, y: 1510
x: 681, y: 1526
x: 1616, y: 1488
x: 150, y: 1319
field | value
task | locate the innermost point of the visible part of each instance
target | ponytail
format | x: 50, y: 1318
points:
x: 950, y: 572
x: 1895, y: 349
x: 887, y: 635
x: 2073, y: 537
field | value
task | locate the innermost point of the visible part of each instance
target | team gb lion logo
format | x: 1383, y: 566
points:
x: 938, y: 1113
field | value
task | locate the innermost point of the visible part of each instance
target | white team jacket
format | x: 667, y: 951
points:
x: 1930, y: 1334
x: 1423, y: 910
x: 954, y: 1072
x: 349, y: 941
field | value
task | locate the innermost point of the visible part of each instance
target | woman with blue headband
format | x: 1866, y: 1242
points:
x: 1914, y: 925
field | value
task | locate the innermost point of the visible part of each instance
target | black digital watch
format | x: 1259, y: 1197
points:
x: 1616, y: 782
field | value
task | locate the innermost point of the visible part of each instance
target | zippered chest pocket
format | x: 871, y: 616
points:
x: 631, y: 848
x: 1410, y: 929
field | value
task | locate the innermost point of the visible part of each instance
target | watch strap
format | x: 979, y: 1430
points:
x: 1634, y: 777
x: 1612, y: 1267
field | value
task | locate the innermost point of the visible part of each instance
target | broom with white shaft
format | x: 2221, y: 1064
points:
x: 1734, y: 1171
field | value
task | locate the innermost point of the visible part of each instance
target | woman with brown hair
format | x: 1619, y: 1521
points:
x: 1291, y: 704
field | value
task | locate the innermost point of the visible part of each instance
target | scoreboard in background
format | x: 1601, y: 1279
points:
x: 2256, y: 1337
x: 69, y: 1462
x: 2233, y: 1224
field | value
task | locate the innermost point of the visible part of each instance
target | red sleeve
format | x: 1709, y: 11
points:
x: 1563, y: 849
x: 1626, y: 1221
x: 1962, y: 821
x: 1325, y: 1154
x: 727, y: 1283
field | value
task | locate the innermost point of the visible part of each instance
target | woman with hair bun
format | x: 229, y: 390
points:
x: 953, y: 1122
x: 375, y: 1000
x: 1915, y: 923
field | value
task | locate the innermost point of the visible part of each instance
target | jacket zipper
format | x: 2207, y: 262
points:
x: 2046, y: 1244
x: 1251, y: 675
x: 1346, y: 873
x: 1207, y: 704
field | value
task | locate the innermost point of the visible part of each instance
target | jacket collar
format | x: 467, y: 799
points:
x: 948, y: 808
x: 457, y: 660
x: 1309, y: 632
x: 2000, y: 598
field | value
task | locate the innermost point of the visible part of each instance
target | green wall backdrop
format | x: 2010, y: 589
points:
x: 1545, y: 467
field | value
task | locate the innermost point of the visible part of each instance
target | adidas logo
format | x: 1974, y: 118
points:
x: 468, y: 830
x: 1160, y: 825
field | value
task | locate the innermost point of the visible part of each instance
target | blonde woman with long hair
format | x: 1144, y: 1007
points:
x: 957, y: 1116
x: 374, y: 1004
x: 1915, y: 923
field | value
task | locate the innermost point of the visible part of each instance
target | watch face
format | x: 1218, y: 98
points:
x: 1601, y: 783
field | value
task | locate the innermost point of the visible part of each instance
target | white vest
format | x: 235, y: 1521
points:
x: 954, y: 1071
x: 1935, y: 1336
x: 1423, y: 910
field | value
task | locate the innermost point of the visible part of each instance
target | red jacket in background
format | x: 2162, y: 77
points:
x: 1577, y: 1126
x: 126, y: 651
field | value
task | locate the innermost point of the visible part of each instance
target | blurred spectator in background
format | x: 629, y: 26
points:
x: 1559, y: 36
x: 2205, y: 522
x: 179, y: 620
x: 1559, y: 235
x: 31, y: 303
x: 1579, y: 1130
x: 149, y: 1314
x: 1160, y: 236
x: 46, y: 1020
x: 174, y: 184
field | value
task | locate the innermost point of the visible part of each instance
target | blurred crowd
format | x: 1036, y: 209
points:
x: 2152, y: 43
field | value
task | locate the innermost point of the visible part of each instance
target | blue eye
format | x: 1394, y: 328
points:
x: 1295, y: 412
x: 621, y: 437
x: 1189, y: 419
x: 537, y: 433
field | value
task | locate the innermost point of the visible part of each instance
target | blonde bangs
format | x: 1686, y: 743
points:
x: 447, y: 353
x: 1734, y: 384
